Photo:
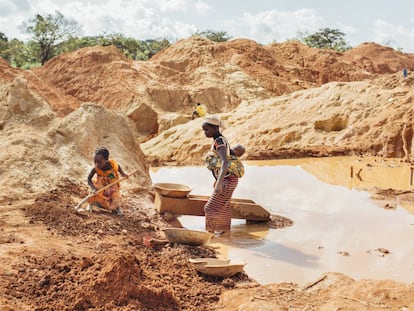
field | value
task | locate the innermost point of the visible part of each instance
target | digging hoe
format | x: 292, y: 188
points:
x: 77, y: 208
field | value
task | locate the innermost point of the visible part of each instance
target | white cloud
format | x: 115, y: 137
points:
x: 146, y: 19
x: 202, y: 7
x: 141, y: 19
x: 22, y: 5
x: 347, y: 29
x: 174, y: 5
x: 199, y: 6
x: 273, y: 25
x: 7, y: 7
x: 397, y: 36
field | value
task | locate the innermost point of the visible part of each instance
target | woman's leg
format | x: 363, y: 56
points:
x: 217, y: 208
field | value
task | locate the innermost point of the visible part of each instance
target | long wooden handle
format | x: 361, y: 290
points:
x: 104, y: 188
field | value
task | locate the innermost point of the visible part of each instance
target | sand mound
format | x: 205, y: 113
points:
x: 39, y: 149
x: 97, y: 74
x: 60, y: 103
x: 283, y: 67
x: 19, y: 104
x: 379, y: 59
x: 7, y: 73
x: 286, y: 67
x: 103, y: 75
x: 92, y: 125
x: 337, y: 118
x: 221, y: 75
x: 331, y: 291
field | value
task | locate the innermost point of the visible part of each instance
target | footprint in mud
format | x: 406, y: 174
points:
x: 380, y: 252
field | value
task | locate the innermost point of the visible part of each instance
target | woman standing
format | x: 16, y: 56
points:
x: 217, y: 208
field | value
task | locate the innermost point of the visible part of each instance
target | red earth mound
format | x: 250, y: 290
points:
x: 176, y: 77
x: 136, y: 278
x: 97, y: 74
x: 379, y: 59
x: 7, y: 73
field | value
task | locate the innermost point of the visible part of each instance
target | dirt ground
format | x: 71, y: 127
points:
x: 332, y: 291
x: 55, y: 259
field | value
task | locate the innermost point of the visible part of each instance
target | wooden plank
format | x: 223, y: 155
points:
x: 194, y: 205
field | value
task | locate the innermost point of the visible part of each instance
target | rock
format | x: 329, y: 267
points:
x: 104, y: 245
x: 145, y: 119
x: 381, y: 252
x: 25, y: 106
x: 45, y: 281
x: 169, y: 120
x: 346, y: 254
x: 148, y: 226
x: 228, y: 283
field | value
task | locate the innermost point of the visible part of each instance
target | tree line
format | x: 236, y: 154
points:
x: 54, y: 34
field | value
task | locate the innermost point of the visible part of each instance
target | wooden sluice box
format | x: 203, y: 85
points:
x: 175, y: 199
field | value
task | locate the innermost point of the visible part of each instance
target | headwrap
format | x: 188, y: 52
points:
x: 214, y: 120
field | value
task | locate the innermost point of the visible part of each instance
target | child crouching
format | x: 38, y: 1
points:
x: 107, y: 171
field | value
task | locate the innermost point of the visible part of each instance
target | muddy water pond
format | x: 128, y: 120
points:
x: 337, y: 227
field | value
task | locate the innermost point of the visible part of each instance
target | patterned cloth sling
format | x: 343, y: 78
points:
x: 213, y: 161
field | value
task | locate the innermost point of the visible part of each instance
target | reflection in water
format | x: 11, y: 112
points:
x: 327, y: 219
x: 290, y: 255
x: 374, y: 172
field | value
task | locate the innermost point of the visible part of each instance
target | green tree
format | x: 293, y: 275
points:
x: 20, y: 54
x: 154, y: 46
x: 132, y: 48
x: 3, y: 37
x: 14, y: 51
x: 216, y: 36
x: 48, y: 32
x: 75, y: 43
x: 4, y: 47
x: 327, y: 38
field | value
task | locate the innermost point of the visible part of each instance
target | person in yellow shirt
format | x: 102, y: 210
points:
x: 200, y: 111
x: 107, y: 171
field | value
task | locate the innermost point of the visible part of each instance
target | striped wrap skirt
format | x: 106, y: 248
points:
x: 217, y: 208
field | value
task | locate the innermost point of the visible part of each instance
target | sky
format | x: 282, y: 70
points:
x: 265, y: 21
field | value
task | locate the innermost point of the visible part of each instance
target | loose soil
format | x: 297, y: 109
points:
x: 332, y: 291
x: 58, y: 259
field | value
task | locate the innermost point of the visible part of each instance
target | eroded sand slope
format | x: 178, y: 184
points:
x: 373, y: 117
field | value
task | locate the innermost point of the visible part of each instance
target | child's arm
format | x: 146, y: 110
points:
x: 90, y: 182
x: 121, y: 171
